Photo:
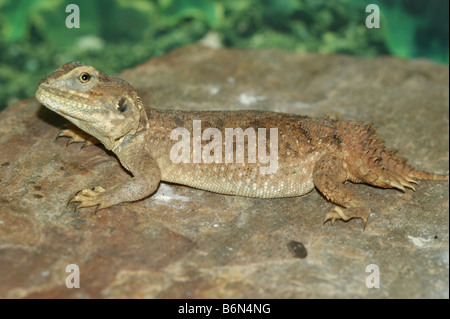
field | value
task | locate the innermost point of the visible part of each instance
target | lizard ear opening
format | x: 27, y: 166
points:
x: 122, y: 106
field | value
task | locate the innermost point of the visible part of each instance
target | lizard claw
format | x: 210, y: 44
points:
x: 88, y: 198
x: 334, y: 214
x: 76, y: 135
x: 347, y: 214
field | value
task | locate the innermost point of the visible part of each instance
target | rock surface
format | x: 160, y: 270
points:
x: 188, y: 243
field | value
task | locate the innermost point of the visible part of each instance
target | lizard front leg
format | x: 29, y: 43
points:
x: 329, y: 175
x: 146, y: 178
x: 76, y: 135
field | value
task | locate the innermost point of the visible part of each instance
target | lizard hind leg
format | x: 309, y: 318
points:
x: 329, y: 174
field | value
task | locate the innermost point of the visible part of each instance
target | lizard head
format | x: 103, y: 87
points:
x: 106, y: 107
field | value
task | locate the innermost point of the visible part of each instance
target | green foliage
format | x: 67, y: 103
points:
x: 204, y: 10
x: 116, y: 34
x: 17, y: 16
x: 417, y: 28
x: 114, y: 21
x: 303, y: 26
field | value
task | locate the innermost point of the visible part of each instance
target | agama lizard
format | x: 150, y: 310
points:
x: 321, y: 153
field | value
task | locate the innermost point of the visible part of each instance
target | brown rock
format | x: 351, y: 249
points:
x: 188, y: 243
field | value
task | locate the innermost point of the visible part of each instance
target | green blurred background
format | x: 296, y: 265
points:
x: 117, y: 34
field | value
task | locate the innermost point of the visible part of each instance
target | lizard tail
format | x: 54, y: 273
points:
x: 393, y: 172
x: 428, y: 176
x: 379, y: 166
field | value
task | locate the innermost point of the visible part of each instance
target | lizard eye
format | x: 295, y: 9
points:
x: 122, y: 106
x: 84, y: 77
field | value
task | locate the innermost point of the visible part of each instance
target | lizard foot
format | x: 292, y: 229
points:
x: 348, y: 213
x: 76, y: 135
x: 90, y: 197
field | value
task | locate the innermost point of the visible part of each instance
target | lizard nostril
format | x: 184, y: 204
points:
x: 44, y: 81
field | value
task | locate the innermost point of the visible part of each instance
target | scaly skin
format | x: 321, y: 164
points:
x: 311, y: 153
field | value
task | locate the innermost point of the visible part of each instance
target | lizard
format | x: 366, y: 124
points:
x: 312, y: 153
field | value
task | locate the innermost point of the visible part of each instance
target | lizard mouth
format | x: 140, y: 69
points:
x: 57, y: 100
